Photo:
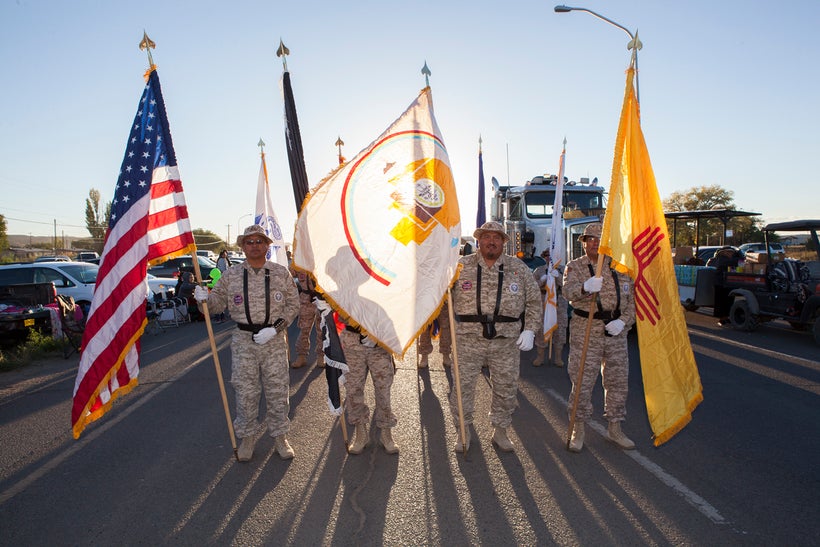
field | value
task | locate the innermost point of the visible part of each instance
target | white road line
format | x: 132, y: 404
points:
x: 768, y: 353
x: 704, y: 507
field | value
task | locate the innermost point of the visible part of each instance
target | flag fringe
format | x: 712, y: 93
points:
x: 189, y: 249
x: 86, y: 417
x: 353, y: 323
x: 675, y: 428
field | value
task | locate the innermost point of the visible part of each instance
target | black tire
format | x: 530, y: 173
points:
x: 741, y: 316
x: 798, y: 326
x: 816, y: 330
x: 688, y: 305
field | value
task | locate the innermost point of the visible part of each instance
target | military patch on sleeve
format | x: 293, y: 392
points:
x: 278, y: 296
x: 514, y: 288
x: 625, y: 288
x: 466, y: 285
x: 237, y: 299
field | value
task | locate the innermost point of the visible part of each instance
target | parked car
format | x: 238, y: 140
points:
x: 160, y: 285
x: 776, y: 248
x: 172, y: 267
x: 210, y: 255
x: 88, y: 256
x: 74, y: 279
x: 58, y: 258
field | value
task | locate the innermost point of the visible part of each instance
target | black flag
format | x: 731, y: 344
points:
x: 293, y: 140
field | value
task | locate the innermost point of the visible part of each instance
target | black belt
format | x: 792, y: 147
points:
x: 486, y: 319
x: 251, y: 328
x: 605, y: 316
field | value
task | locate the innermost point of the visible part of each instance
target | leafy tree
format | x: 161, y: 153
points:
x: 702, y: 198
x: 206, y: 240
x: 96, y: 221
x: 4, y: 240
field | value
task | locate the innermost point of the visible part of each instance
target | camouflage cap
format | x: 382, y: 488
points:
x: 253, y: 230
x: 491, y: 227
x: 592, y: 230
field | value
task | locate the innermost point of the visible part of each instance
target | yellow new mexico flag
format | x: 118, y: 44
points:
x: 635, y: 236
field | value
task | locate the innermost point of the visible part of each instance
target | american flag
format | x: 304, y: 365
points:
x: 149, y: 223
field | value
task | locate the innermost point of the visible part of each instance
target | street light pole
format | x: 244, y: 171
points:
x: 239, y: 223
x: 634, y: 43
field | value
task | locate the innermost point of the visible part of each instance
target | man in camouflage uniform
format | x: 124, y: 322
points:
x: 309, y: 317
x: 613, y: 304
x: 492, y: 295
x: 263, y: 300
x: 559, y: 335
x: 425, y: 347
x: 363, y: 355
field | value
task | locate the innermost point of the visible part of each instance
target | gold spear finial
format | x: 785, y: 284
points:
x: 283, y: 52
x: 147, y: 44
x: 339, y: 143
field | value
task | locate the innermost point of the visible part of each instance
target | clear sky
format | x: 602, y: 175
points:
x: 729, y: 95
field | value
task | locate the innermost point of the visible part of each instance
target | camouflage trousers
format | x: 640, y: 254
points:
x: 308, y: 317
x: 503, y: 359
x: 444, y: 341
x: 255, y: 367
x: 606, y: 355
x: 559, y: 335
x: 360, y: 360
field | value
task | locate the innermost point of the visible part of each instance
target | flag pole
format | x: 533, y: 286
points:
x: 456, y: 376
x: 218, y: 368
x: 578, y: 384
x: 147, y: 44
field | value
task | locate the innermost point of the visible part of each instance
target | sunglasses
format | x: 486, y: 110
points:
x: 255, y: 242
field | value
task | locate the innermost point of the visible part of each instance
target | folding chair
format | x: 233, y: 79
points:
x: 73, y: 320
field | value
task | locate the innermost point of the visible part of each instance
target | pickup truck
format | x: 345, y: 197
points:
x: 22, y: 308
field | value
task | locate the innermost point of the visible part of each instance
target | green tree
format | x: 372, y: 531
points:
x: 702, y: 198
x: 4, y: 239
x: 206, y: 240
x: 96, y: 220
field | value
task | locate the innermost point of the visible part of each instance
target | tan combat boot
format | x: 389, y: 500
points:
x: 539, y: 357
x: 283, y: 448
x: 387, y: 441
x: 615, y: 435
x: 558, y: 361
x: 576, y: 442
x: 466, y: 447
x: 423, y: 361
x: 359, y: 440
x: 501, y: 440
x: 245, y: 452
x: 299, y: 362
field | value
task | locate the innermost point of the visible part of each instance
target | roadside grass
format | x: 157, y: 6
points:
x: 37, y: 346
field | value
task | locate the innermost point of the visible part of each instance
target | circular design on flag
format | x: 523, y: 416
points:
x: 514, y: 288
x: 466, y: 285
x: 389, y: 198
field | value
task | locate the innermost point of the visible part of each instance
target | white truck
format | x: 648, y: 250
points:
x: 526, y: 214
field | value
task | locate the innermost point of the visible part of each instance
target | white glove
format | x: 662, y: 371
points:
x: 368, y: 342
x: 543, y: 279
x: 555, y: 273
x: 264, y: 335
x: 200, y: 293
x: 615, y: 327
x: 526, y: 340
x: 593, y: 284
x: 321, y: 305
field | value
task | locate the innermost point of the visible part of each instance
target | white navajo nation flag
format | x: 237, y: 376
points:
x: 266, y: 218
x: 381, y: 234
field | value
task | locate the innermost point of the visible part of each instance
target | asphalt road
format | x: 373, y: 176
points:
x: 158, y: 469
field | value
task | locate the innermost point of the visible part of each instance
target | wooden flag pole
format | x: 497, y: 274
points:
x: 456, y: 376
x: 219, y: 379
x: 580, y: 380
